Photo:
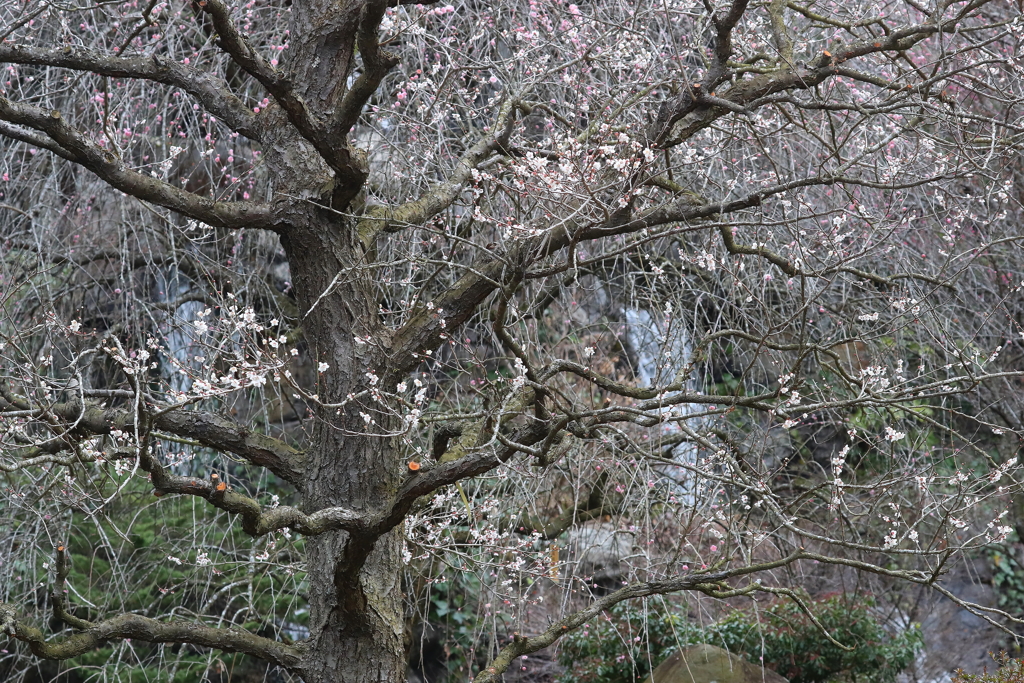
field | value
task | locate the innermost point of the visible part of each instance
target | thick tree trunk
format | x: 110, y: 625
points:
x: 355, y: 635
x: 355, y: 602
x: 355, y: 596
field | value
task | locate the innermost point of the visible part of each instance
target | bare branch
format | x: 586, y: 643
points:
x: 111, y: 169
x: 152, y: 631
x: 212, y: 92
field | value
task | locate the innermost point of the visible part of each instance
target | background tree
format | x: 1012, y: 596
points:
x: 398, y: 290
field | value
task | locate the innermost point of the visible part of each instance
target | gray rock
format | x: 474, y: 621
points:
x: 598, y: 549
x: 710, y: 664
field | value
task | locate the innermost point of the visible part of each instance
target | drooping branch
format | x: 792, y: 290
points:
x: 118, y: 175
x: 211, y: 92
x: 152, y: 631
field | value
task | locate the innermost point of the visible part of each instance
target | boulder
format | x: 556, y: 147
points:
x: 598, y: 548
x: 710, y: 664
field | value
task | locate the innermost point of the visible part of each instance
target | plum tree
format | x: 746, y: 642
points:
x: 396, y: 289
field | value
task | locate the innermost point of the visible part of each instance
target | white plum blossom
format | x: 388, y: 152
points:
x: 893, y: 435
x: 520, y: 379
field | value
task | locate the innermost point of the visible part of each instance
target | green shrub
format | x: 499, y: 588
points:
x: 625, y: 643
x: 1007, y: 579
x: 1007, y: 671
x: 793, y: 646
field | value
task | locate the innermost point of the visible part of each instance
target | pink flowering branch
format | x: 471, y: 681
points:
x: 210, y: 91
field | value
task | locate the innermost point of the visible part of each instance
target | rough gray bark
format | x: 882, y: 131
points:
x: 355, y: 590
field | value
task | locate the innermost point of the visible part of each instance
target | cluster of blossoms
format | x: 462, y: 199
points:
x: 892, y: 538
x: 995, y: 531
x: 476, y: 534
x: 838, y: 463
x: 566, y: 171
x: 875, y: 378
x: 703, y: 260
x: 232, y: 340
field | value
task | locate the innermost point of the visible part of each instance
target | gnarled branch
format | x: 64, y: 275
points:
x: 213, y: 431
x: 152, y: 631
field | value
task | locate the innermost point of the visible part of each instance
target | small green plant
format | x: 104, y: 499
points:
x: 453, y: 614
x: 1008, y: 579
x: 787, y: 641
x: 1007, y: 671
x: 625, y: 643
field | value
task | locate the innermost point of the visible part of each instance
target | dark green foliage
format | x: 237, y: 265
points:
x: 1008, y: 579
x: 625, y: 644
x: 149, y: 535
x: 453, y: 615
x: 793, y: 646
x: 450, y: 641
